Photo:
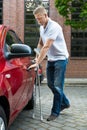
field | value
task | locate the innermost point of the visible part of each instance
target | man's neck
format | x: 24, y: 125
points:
x: 46, y: 23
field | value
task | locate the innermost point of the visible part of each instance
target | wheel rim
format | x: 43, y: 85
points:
x: 2, y: 124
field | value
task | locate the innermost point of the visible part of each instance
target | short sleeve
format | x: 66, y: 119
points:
x: 53, y: 32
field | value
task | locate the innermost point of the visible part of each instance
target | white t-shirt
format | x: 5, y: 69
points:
x: 58, y: 50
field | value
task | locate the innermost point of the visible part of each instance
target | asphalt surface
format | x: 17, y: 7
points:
x: 74, y: 118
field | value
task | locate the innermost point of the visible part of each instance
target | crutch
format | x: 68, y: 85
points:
x: 37, y: 86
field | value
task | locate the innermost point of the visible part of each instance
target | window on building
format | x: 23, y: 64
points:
x: 1, y: 12
x: 31, y: 30
x: 78, y: 37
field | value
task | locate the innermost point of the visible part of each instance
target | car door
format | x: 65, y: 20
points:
x: 17, y: 78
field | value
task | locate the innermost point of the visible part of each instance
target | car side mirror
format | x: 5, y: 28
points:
x: 18, y: 50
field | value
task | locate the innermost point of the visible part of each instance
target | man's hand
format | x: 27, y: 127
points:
x: 32, y: 66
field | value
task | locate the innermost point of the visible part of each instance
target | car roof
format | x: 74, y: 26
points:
x: 3, y: 30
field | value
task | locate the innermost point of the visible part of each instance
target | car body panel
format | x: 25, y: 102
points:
x: 16, y: 83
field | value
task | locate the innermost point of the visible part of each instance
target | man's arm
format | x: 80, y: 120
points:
x: 40, y: 43
x: 44, y: 51
x: 39, y: 46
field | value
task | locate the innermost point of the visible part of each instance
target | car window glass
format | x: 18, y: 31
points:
x: 12, y: 38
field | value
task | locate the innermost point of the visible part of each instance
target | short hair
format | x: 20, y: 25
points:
x: 40, y: 9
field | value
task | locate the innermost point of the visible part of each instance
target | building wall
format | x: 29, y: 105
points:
x: 13, y: 16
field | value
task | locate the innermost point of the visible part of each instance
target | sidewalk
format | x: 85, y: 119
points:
x: 74, y: 118
x: 72, y: 81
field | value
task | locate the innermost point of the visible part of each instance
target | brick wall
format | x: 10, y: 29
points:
x: 13, y: 15
x: 77, y: 68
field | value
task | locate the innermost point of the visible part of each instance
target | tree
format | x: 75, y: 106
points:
x: 67, y: 8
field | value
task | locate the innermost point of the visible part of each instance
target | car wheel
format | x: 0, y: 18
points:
x: 3, y: 123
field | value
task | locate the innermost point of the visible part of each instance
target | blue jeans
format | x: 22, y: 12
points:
x: 55, y: 80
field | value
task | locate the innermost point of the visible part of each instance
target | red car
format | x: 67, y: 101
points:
x: 16, y: 83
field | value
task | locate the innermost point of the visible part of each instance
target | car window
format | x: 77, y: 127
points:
x: 12, y: 38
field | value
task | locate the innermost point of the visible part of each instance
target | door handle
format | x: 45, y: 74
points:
x: 8, y: 76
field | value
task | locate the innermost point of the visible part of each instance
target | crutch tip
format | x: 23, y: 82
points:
x: 33, y: 116
x: 41, y: 119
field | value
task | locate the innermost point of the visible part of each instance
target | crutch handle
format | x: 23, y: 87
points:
x: 33, y: 62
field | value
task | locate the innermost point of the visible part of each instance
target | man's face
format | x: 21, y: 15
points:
x: 41, y: 19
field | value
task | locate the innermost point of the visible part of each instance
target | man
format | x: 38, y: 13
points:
x: 52, y: 45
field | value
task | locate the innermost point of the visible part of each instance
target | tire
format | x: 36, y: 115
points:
x: 3, y: 121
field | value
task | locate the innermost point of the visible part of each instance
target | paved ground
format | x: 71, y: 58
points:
x: 74, y: 118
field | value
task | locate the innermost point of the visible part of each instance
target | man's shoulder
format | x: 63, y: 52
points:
x: 54, y: 24
x: 52, y: 21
